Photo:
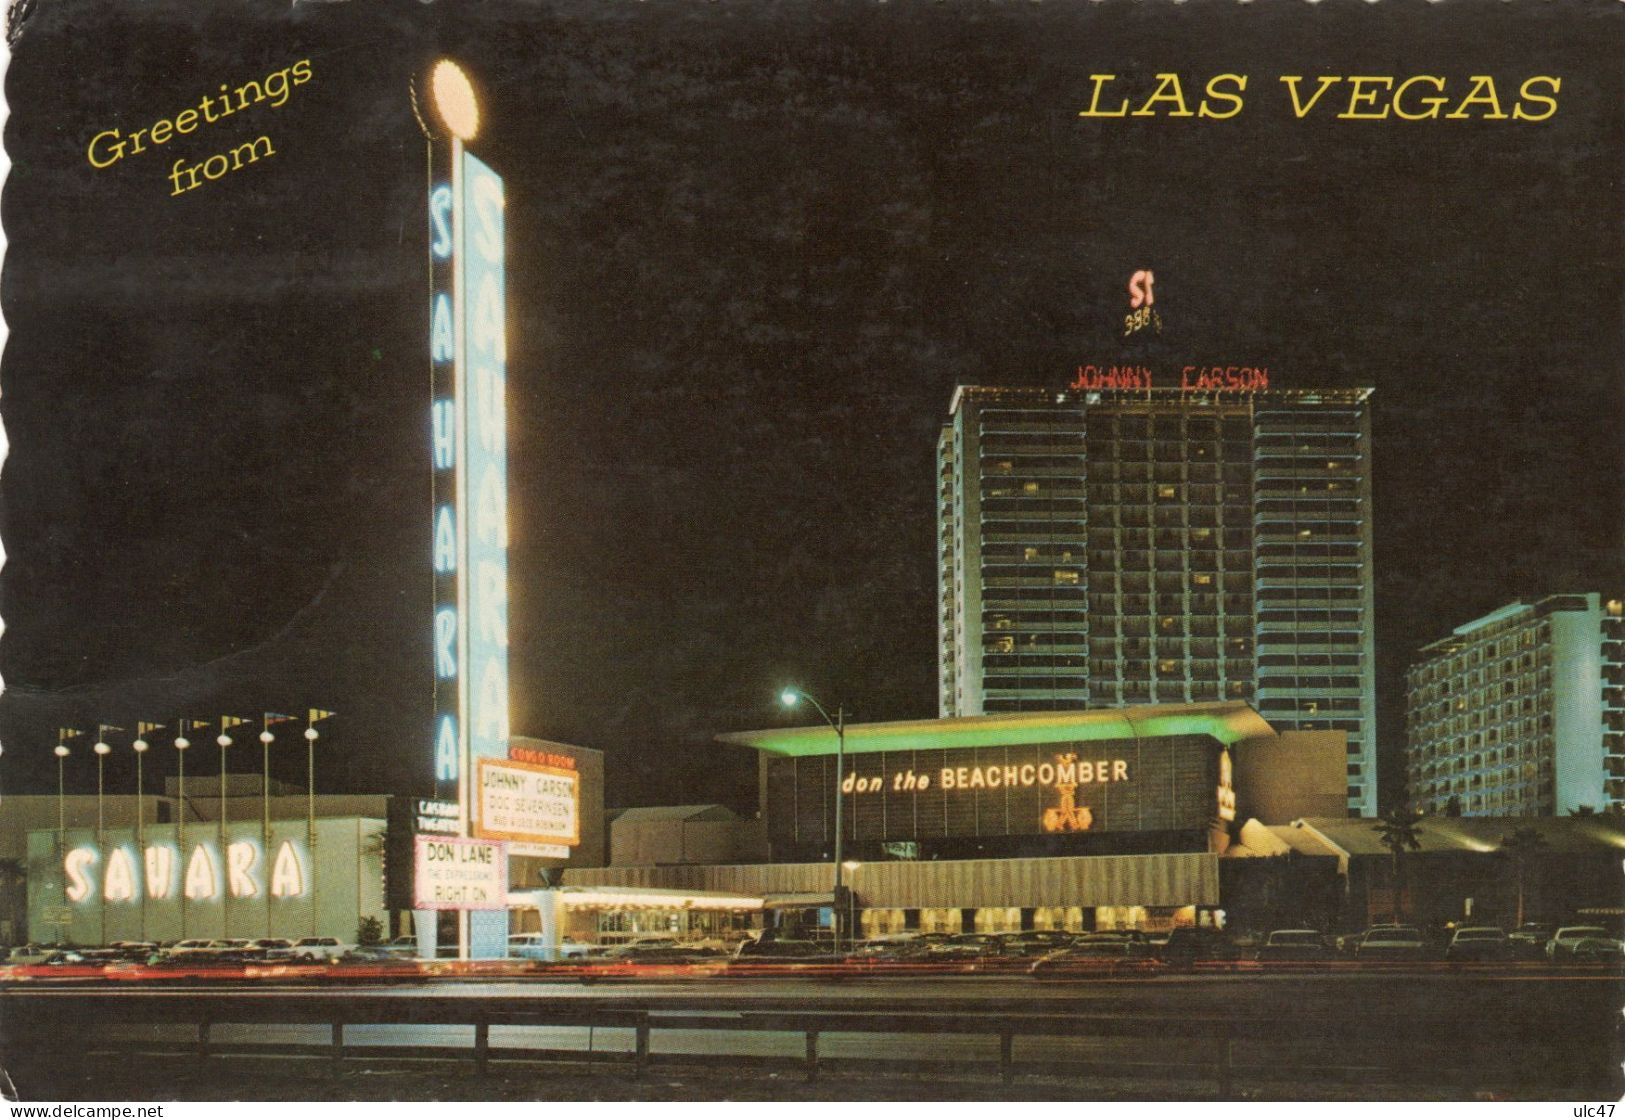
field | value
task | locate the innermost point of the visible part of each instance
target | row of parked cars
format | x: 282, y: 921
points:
x: 1530, y: 941
x: 1045, y: 950
x: 205, y: 951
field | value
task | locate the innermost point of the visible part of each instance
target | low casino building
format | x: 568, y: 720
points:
x: 1074, y: 819
x: 260, y: 861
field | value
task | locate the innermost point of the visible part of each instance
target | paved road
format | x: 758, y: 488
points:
x: 1229, y: 992
x: 1423, y: 1009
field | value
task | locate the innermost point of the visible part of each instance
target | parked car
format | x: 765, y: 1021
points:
x: 1348, y: 944
x: 31, y: 954
x: 404, y: 947
x: 636, y: 944
x: 1478, y: 943
x: 1528, y: 941
x: 532, y: 947
x: 1392, y: 943
x: 1138, y: 936
x: 365, y: 954
x: 1035, y: 942
x: 1561, y: 946
x: 134, y: 950
x: 1090, y: 955
x: 609, y: 949
x: 1601, y: 950
x: 965, y: 947
x: 1189, y: 944
x: 319, y: 948
x: 1294, y: 945
x: 271, y: 948
x: 784, y: 950
x: 670, y: 952
x: 898, y: 947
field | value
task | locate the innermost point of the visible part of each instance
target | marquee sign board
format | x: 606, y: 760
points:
x: 453, y: 874
x: 529, y: 804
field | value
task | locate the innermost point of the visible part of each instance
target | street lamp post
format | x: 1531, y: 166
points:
x: 61, y: 804
x: 789, y: 698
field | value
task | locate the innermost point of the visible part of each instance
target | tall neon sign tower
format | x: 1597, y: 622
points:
x: 468, y: 428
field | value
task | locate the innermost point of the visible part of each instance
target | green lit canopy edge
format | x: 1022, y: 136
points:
x: 1226, y: 722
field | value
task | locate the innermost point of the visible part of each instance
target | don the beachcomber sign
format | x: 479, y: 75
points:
x: 454, y: 874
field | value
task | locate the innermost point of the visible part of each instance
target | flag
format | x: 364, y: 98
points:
x: 194, y: 725
x: 63, y: 734
x: 317, y: 714
x: 228, y: 722
x: 277, y: 717
x: 103, y: 728
x: 141, y: 729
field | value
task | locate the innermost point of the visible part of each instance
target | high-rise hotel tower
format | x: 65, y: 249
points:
x: 1123, y: 547
x: 1521, y: 712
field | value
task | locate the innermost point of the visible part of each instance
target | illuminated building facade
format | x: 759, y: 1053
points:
x: 1023, y: 820
x: 244, y: 880
x: 1521, y: 712
x: 1114, y: 547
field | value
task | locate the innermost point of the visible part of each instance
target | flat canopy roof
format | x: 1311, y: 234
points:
x: 1226, y: 722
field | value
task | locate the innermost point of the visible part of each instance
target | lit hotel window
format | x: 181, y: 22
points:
x: 1029, y: 554
x: 1066, y: 575
x: 1030, y: 487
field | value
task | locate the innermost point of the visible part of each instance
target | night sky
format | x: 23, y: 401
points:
x: 752, y: 249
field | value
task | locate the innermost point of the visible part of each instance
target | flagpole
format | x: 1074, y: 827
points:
x: 63, y: 734
x: 140, y: 749
x: 101, y: 748
x: 310, y: 816
x: 224, y: 741
x: 312, y: 715
x: 265, y: 788
x: 181, y: 743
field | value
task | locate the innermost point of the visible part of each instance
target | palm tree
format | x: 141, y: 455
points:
x: 1522, y: 845
x: 1398, y: 833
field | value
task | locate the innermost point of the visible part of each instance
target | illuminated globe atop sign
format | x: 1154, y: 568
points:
x: 454, y: 100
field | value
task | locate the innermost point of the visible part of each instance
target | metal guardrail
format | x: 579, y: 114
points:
x: 1575, y: 1047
